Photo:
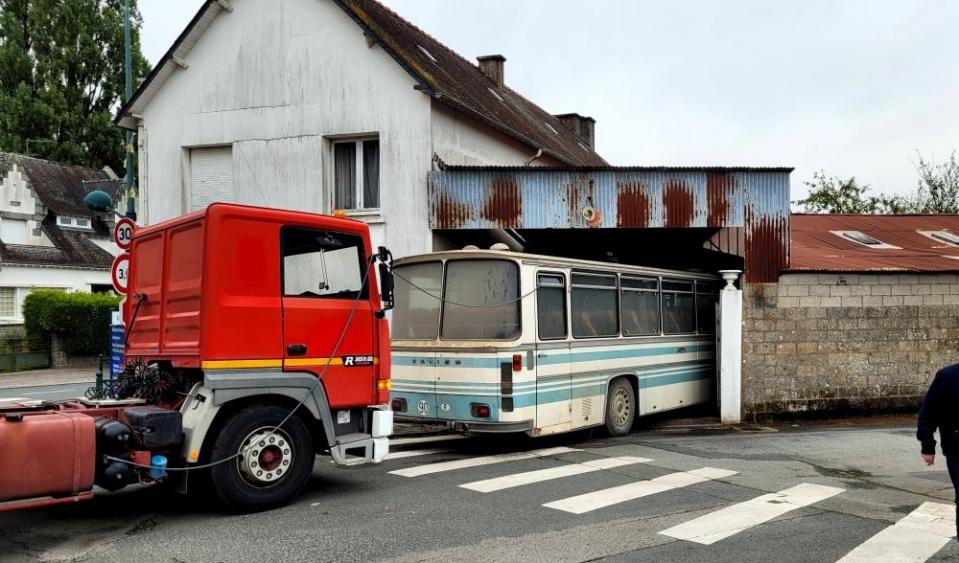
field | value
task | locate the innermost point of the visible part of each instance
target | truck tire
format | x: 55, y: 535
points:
x: 620, y: 407
x: 274, y: 463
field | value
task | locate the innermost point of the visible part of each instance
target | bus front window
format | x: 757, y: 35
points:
x: 418, y: 291
x: 482, y: 300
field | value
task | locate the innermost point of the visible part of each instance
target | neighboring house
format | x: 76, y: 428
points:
x: 866, y: 313
x: 327, y: 105
x: 48, y: 238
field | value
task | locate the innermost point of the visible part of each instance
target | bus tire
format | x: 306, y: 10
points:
x: 274, y: 463
x: 620, y: 407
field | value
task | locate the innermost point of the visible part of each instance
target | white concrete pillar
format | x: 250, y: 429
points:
x: 730, y: 350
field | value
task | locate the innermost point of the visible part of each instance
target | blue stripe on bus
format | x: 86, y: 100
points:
x: 552, y: 359
x: 460, y: 404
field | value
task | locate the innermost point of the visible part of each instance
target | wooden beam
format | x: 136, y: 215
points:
x: 225, y: 4
x: 180, y: 62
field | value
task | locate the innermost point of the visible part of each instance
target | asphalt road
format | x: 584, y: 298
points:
x: 841, y: 488
x: 47, y: 392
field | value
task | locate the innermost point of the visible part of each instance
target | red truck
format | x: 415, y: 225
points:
x: 256, y: 339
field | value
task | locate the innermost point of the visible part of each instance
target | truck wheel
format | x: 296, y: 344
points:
x: 620, y: 407
x: 273, y: 464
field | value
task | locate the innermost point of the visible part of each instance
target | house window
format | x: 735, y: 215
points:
x: 8, y: 302
x: 863, y: 239
x: 947, y: 237
x: 74, y: 222
x: 211, y: 176
x: 13, y: 231
x: 356, y: 174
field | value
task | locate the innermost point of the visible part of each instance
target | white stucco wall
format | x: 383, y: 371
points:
x: 279, y: 81
x: 463, y: 141
x: 25, y: 279
x: 18, y: 203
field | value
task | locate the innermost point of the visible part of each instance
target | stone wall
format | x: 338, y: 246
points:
x: 846, y: 343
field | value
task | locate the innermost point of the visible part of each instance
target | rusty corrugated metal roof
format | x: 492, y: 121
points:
x: 756, y: 200
x: 815, y: 247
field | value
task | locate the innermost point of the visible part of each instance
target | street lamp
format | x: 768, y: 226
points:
x: 100, y: 201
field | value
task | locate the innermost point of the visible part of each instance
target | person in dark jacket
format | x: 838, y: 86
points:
x: 940, y: 410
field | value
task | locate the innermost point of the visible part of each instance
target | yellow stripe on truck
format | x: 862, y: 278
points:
x: 271, y: 363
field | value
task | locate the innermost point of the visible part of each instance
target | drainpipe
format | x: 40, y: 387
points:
x: 538, y: 154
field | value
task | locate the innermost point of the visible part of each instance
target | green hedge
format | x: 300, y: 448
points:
x: 82, y: 320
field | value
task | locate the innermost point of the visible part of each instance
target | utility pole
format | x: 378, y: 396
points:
x: 128, y: 75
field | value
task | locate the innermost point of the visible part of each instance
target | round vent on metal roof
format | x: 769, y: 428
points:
x: 500, y: 246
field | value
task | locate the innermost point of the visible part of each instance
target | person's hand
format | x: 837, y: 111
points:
x: 930, y: 459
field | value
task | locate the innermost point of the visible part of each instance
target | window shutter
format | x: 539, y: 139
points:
x: 211, y: 176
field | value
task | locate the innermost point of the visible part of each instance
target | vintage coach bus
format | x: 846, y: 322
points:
x: 497, y: 341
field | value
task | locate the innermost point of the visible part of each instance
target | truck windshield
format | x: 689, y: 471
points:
x: 481, y: 301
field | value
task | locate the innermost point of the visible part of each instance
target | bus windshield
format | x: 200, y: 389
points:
x: 481, y: 301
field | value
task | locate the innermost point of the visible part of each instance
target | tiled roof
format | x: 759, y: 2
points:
x: 816, y: 247
x: 439, y: 71
x: 458, y: 82
x: 60, y: 189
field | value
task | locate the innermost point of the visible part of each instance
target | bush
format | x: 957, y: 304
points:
x: 82, y: 320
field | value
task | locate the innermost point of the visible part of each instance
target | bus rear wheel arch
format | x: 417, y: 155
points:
x: 621, y: 406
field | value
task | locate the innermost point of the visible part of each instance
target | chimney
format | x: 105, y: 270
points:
x: 492, y: 67
x: 584, y: 127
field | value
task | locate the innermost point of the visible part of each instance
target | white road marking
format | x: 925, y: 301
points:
x: 540, y: 475
x: 731, y: 520
x: 425, y: 439
x: 631, y: 491
x: 430, y: 468
x: 414, y: 453
x: 915, y: 538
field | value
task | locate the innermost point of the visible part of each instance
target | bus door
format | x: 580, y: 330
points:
x: 553, y: 374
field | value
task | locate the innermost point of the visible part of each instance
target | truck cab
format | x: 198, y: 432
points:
x: 255, y: 339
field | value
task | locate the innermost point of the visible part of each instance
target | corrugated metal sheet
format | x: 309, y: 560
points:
x: 816, y: 248
x: 539, y: 198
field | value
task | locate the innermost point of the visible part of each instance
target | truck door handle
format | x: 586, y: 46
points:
x: 296, y: 349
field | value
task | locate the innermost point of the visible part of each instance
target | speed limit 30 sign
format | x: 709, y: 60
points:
x: 123, y: 233
x: 121, y: 273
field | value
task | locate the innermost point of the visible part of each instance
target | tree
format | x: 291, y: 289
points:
x: 938, y: 190
x: 61, y: 78
x: 831, y: 194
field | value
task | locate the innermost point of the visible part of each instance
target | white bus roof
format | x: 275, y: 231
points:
x: 554, y: 262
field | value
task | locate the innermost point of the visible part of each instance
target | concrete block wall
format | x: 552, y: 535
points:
x: 846, y: 342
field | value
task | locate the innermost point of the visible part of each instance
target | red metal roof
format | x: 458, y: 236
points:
x: 815, y: 247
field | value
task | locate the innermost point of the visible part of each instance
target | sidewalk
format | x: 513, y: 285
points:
x: 40, y: 377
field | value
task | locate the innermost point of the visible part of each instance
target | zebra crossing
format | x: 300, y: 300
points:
x: 917, y: 537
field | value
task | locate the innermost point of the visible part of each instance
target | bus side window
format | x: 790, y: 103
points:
x: 640, y: 306
x: 551, y: 306
x: 707, y: 295
x: 594, y: 305
x: 679, y: 307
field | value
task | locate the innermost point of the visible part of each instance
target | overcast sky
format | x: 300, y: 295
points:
x: 854, y: 88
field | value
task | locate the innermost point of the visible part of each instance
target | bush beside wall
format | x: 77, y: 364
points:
x: 81, y: 320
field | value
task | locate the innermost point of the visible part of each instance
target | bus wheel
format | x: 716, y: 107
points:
x: 267, y: 466
x: 620, y: 407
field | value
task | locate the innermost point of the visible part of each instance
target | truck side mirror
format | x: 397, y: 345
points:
x: 386, y: 286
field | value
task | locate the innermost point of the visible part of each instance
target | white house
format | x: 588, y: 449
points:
x: 328, y: 105
x: 48, y: 238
